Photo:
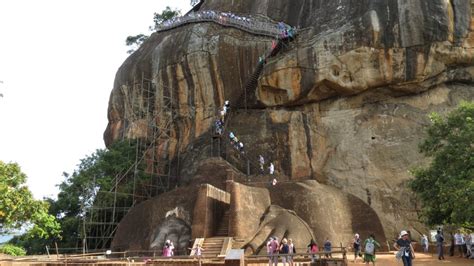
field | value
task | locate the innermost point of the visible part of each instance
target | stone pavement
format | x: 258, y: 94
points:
x: 420, y: 260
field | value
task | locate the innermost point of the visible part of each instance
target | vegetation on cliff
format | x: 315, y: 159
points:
x: 446, y: 186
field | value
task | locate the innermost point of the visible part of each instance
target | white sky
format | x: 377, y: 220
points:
x: 58, y: 61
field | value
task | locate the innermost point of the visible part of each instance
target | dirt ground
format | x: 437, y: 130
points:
x: 420, y: 260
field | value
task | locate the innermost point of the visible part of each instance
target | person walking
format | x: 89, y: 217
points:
x: 356, y: 245
x: 369, y: 249
x: 439, y: 244
x: 197, y: 250
x: 198, y: 253
x: 404, y: 246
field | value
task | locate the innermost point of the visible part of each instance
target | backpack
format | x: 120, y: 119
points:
x: 314, y: 248
x: 369, y: 247
x: 285, y: 249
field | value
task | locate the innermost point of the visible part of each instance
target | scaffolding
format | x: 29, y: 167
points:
x: 149, y: 123
x: 148, y: 126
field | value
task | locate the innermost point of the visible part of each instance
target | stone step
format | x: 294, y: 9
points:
x: 212, y: 245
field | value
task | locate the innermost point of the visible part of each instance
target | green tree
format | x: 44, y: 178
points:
x: 87, y: 187
x: 134, y: 42
x: 12, y: 250
x: 446, y: 186
x: 165, y: 15
x: 18, y: 208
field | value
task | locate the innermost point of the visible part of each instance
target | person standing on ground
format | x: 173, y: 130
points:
x: 468, y: 245
x: 451, y: 248
x: 404, y: 244
x: 369, y: 249
x: 424, y: 243
x: 356, y: 245
x: 439, y: 244
x: 261, y: 161
x: 292, y: 251
x: 313, y: 249
x: 284, y: 250
x: 269, y: 250
x: 273, y: 248
x: 167, y: 251
x: 459, y: 242
x: 327, y: 248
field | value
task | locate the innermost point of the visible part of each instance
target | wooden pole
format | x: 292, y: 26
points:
x: 57, y: 250
x: 47, y: 250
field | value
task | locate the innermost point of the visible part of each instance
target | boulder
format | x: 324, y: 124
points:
x: 343, y: 107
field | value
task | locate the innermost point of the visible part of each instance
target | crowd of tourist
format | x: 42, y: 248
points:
x: 286, y: 250
x: 254, y: 24
x: 366, y: 249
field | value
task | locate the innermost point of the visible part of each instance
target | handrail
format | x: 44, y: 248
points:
x: 258, y: 26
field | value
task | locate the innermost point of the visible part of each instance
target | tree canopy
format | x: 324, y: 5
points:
x: 18, y: 208
x: 134, y: 42
x: 165, y: 15
x: 83, y: 189
x: 446, y: 186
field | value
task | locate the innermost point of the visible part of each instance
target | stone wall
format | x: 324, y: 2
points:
x: 210, y: 205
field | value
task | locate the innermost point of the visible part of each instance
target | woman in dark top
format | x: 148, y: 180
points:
x: 356, y: 246
x: 404, y: 244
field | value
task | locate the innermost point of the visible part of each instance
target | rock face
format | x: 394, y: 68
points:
x: 344, y: 105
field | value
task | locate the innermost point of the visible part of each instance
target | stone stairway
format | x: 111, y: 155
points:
x: 253, y: 80
x: 277, y: 48
x: 223, y: 228
x: 212, y: 246
x: 215, y: 246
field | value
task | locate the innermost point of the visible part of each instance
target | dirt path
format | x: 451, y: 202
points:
x: 420, y: 260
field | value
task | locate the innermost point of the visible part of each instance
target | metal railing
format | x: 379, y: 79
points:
x: 254, y: 25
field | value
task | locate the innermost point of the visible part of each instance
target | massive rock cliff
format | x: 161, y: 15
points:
x: 344, y: 104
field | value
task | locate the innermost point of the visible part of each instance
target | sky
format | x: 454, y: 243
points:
x: 58, y: 61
